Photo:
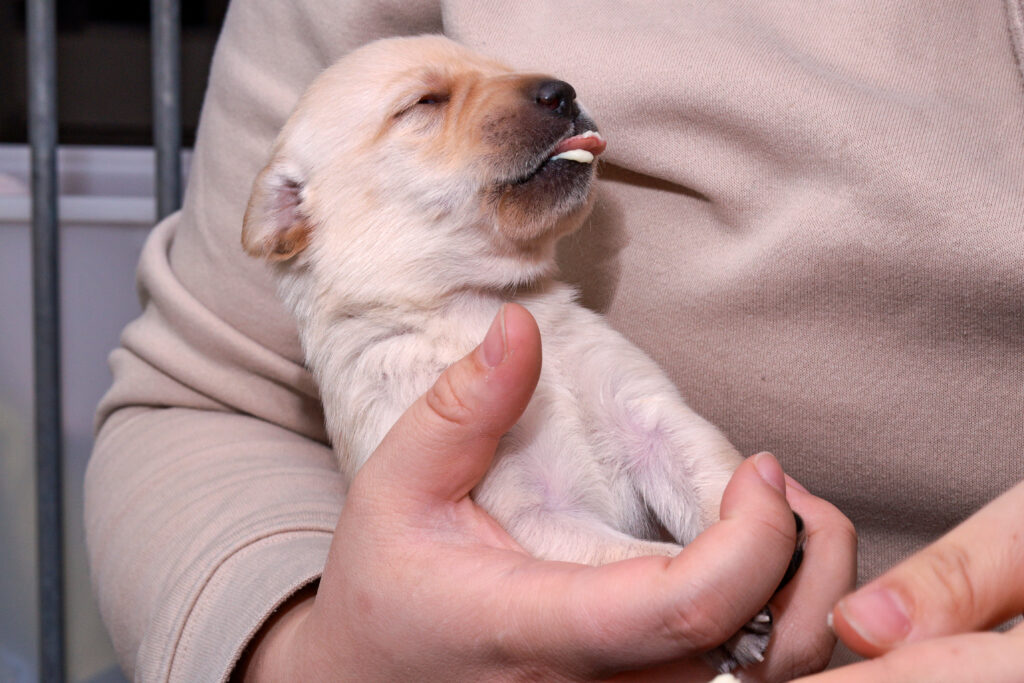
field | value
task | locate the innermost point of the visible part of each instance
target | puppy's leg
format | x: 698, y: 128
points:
x: 569, y: 538
x: 675, y: 460
x: 678, y: 462
x: 674, y: 450
x: 556, y: 500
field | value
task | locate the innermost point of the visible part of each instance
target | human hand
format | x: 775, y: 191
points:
x: 926, y: 619
x: 421, y: 584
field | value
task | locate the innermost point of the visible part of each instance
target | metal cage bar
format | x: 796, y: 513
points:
x: 42, y: 106
x: 42, y: 118
x: 166, y: 38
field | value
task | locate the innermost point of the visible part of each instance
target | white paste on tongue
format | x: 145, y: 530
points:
x: 580, y: 155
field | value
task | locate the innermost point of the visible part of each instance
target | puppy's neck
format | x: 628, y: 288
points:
x: 372, y: 363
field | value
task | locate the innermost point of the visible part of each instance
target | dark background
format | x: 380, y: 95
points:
x: 103, y: 69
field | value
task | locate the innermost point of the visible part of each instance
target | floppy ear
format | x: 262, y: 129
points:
x: 275, y: 226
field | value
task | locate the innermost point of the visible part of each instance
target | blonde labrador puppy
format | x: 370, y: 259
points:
x: 415, y: 189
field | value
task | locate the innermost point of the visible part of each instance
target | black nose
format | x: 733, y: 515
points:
x: 558, y: 96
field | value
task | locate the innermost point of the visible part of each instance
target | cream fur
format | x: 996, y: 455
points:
x: 398, y: 227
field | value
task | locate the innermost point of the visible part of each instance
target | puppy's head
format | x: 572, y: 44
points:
x: 416, y: 160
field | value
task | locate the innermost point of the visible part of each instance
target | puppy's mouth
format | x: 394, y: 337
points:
x: 552, y: 179
x: 575, y: 151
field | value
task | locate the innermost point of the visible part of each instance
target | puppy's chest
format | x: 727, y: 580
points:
x: 399, y: 368
x: 373, y: 373
x: 384, y: 369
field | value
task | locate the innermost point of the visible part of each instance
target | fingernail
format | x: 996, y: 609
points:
x: 770, y: 470
x: 877, y: 615
x: 493, y: 347
x: 792, y: 483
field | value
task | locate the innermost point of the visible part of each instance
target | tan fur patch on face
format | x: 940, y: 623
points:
x: 493, y: 129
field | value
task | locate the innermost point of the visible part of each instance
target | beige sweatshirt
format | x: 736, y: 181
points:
x: 811, y: 214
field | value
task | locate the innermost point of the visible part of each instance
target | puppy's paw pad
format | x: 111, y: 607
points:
x: 746, y: 647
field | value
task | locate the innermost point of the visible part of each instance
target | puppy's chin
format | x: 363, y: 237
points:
x: 550, y: 202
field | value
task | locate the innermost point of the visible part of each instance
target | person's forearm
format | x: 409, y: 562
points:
x: 198, y: 523
x: 269, y: 656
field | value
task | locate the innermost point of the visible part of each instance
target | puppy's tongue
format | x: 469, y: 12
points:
x: 591, y: 141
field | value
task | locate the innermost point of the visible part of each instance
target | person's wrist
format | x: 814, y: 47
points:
x: 272, y: 653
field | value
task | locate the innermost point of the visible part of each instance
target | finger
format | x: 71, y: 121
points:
x: 968, y: 579
x: 801, y: 640
x: 647, y: 610
x: 442, y: 446
x: 989, y: 657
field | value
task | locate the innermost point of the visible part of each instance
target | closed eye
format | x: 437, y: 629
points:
x: 429, y: 105
x: 434, y: 99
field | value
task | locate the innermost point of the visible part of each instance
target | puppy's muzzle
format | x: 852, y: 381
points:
x: 551, y: 123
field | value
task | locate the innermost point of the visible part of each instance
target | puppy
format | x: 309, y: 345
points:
x: 416, y: 188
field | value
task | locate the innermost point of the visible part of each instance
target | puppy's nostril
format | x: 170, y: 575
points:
x: 557, y: 96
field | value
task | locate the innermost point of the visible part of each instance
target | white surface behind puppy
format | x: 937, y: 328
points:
x: 416, y: 188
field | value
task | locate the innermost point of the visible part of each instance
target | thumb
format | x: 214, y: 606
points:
x: 967, y: 580
x: 443, y: 444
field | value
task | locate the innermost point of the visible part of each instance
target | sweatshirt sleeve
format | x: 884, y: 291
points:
x: 211, y: 494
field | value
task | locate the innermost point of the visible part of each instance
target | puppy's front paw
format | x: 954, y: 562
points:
x: 746, y: 647
x: 749, y: 644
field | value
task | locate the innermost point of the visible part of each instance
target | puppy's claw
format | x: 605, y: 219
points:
x: 746, y: 647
